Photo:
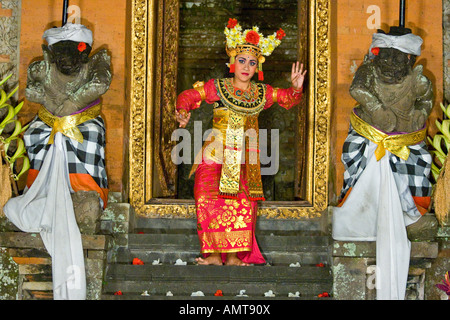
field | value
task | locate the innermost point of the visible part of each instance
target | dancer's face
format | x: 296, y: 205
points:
x: 245, y: 67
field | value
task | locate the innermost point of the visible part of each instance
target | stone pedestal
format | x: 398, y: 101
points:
x: 354, y: 265
x: 439, y: 266
x: 25, y: 265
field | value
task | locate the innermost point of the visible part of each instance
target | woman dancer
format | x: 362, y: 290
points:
x: 226, y: 189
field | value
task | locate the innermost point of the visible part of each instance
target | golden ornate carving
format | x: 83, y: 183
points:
x: 152, y: 83
x: 164, y: 124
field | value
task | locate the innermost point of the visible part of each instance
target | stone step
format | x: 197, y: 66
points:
x: 277, y: 249
x: 188, y: 256
x: 284, y: 243
x: 210, y: 297
x: 114, y: 197
x: 34, y: 241
x: 182, y: 281
x: 171, y: 225
x: 258, y: 274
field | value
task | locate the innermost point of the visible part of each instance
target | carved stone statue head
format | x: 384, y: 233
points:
x: 68, y: 79
x: 392, y: 94
x: 68, y: 56
x: 392, y: 65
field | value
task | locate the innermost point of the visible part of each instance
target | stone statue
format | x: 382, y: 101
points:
x: 65, y: 142
x: 68, y: 80
x: 387, y: 164
x: 393, y: 95
x: 68, y: 83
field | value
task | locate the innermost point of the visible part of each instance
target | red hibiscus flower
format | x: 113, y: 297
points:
x: 252, y: 37
x: 280, y: 34
x: 323, y: 295
x: 375, y: 51
x: 137, y: 261
x: 218, y: 293
x: 232, y: 23
x: 118, y: 293
x: 81, y: 46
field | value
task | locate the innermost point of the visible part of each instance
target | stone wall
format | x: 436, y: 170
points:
x: 10, y: 16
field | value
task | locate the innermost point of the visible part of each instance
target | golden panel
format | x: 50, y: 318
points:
x: 152, y: 80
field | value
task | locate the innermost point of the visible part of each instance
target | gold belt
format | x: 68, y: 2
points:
x: 67, y: 125
x: 396, y: 144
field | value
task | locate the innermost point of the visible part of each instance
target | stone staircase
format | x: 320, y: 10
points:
x: 296, y: 252
x: 167, y: 247
x: 299, y: 253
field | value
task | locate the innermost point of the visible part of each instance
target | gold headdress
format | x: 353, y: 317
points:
x: 250, y: 41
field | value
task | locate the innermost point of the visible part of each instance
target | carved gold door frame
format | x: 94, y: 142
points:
x: 152, y: 62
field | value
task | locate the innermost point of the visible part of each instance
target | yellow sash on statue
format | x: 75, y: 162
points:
x: 68, y: 125
x: 396, y: 143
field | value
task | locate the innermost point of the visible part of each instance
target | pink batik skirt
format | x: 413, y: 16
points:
x: 225, y: 225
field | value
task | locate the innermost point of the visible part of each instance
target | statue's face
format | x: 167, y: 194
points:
x: 68, y: 57
x: 392, y: 65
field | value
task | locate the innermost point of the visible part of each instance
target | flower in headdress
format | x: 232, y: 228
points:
x: 81, y: 46
x: 252, y: 37
x: 232, y: 23
x: 446, y: 284
x: 375, y: 51
x: 235, y: 37
x: 280, y: 34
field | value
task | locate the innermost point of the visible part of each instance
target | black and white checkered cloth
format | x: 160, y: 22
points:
x: 87, y: 157
x: 417, y: 168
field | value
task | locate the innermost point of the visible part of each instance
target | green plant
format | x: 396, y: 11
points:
x: 7, y: 140
x: 440, y: 143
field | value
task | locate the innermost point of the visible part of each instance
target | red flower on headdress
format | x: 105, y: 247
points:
x: 280, y: 34
x: 252, y: 37
x: 232, y: 23
x: 375, y: 51
x: 81, y: 46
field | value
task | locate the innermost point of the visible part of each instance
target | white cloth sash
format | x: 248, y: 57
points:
x: 379, y: 208
x: 46, y: 207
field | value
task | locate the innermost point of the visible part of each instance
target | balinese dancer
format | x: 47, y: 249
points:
x: 227, y: 189
x: 65, y: 143
x: 387, y: 164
